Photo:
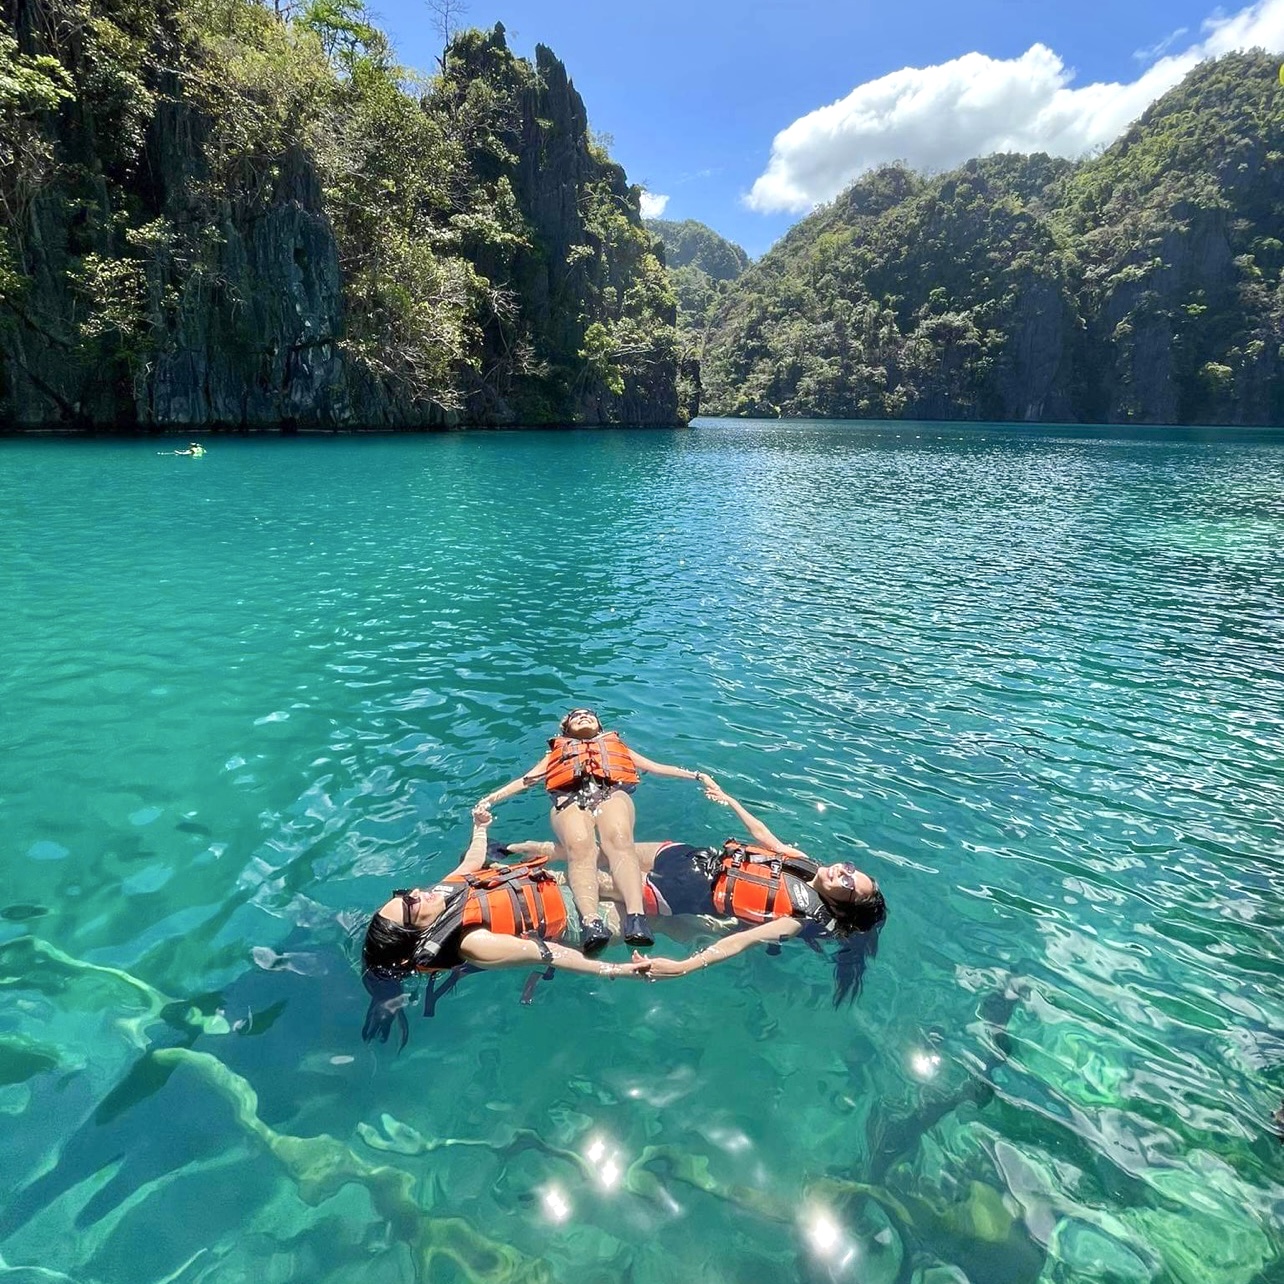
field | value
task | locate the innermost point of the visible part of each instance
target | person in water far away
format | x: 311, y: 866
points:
x: 488, y: 918
x: 775, y: 890
x: 590, y: 774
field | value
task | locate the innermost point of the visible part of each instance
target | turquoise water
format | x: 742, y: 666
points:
x: 1031, y: 680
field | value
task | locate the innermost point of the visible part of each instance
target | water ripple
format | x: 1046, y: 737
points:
x: 1031, y: 681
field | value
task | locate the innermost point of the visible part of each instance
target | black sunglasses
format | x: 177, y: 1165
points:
x: 409, y: 900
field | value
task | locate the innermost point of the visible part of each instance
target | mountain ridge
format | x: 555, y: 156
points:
x: 1142, y: 285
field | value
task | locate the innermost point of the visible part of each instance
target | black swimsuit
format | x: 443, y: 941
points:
x: 680, y: 881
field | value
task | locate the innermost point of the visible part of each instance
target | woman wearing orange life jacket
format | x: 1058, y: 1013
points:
x: 590, y: 774
x: 774, y: 890
x: 488, y: 918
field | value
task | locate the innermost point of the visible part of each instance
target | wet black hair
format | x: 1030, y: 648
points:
x: 857, y: 924
x: 861, y: 914
x: 389, y: 947
x: 388, y: 1003
x: 850, y: 961
x: 387, y: 955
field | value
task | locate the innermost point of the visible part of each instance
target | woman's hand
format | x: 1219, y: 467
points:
x: 639, y: 967
x: 481, y: 815
x: 663, y: 969
x: 714, y: 791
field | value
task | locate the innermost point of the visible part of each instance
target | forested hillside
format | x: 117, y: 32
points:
x: 214, y: 211
x: 702, y: 266
x: 1143, y: 285
x: 691, y: 244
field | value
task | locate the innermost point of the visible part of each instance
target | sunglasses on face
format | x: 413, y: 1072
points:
x: 846, y: 880
x: 409, y: 899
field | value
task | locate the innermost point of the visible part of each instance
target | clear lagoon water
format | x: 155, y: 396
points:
x: 1032, y: 680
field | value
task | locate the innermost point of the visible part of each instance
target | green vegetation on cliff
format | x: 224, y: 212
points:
x: 702, y: 266
x: 1143, y: 285
x: 691, y: 244
x: 217, y: 211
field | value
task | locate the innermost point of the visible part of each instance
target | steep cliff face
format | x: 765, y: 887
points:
x: 1179, y: 226
x: 1144, y: 285
x: 229, y: 231
x: 251, y: 338
x: 154, y: 300
x: 597, y: 311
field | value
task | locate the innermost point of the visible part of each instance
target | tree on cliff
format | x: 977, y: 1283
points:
x: 447, y: 17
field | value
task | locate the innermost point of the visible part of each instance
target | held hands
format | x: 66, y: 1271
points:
x: 714, y: 791
x: 640, y: 967
x: 661, y: 969
x: 481, y: 815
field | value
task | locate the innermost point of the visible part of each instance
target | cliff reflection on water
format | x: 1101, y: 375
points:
x: 1030, y: 680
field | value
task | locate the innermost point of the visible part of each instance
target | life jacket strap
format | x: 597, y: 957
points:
x: 433, y: 991
x: 528, y: 990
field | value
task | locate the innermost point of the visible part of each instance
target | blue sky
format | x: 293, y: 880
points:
x: 694, y: 94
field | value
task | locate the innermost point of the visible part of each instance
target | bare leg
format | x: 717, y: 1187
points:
x: 646, y: 855
x: 528, y: 848
x: 577, y: 839
x: 606, y: 888
x: 554, y: 852
x: 615, y: 832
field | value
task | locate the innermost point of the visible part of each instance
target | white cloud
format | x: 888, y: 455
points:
x: 1160, y: 47
x: 653, y: 205
x: 937, y: 117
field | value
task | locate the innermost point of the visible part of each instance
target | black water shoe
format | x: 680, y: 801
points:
x: 595, y: 937
x: 636, y: 931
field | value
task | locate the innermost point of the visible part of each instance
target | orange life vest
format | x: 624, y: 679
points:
x: 509, y: 900
x: 605, y: 758
x: 755, y: 884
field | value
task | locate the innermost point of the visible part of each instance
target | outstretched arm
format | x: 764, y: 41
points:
x: 779, y: 929
x: 757, y: 830
x: 485, y: 949
x: 663, y: 769
x: 524, y: 781
x: 475, y: 857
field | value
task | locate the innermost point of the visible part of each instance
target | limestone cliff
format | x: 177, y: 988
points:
x: 215, y: 216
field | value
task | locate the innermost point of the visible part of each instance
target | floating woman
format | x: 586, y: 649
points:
x: 590, y: 775
x: 774, y: 890
x: 510, y: 916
